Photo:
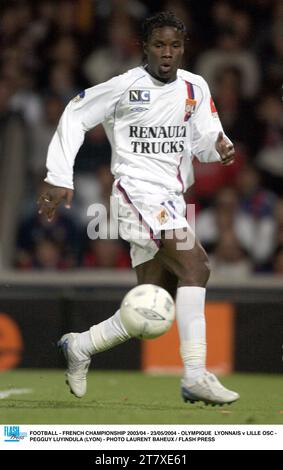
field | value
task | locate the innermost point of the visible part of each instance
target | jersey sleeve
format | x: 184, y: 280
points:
x: 205, y: 128
x: 88, y: 109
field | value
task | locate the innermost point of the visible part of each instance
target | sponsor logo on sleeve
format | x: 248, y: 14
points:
x: 213, y: 108
x: 79, y: 97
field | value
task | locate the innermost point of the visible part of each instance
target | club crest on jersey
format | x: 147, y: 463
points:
x: 139, y: 96
x: 189, y: 108
x: 162, y: 216
x: 79, y: 97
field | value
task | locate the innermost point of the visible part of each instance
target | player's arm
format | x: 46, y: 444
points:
x: 84, y: 112
x: 209, y: 143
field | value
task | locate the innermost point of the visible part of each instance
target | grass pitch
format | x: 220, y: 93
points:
x: 134, y: 398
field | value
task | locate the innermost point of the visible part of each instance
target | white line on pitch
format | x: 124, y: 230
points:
x: 14, y: 391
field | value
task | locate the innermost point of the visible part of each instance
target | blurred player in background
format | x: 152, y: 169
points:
x: 154, y: 116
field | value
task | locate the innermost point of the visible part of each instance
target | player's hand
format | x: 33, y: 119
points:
x: 50, y: 199
x: 225, y: 149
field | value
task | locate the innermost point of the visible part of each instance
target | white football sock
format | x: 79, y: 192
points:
x: 190, y: 305
x: 103, y: 336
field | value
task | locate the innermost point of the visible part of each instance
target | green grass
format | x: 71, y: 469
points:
x: 135, y: 398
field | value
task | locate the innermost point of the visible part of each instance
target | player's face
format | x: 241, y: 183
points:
x: 164, y: 50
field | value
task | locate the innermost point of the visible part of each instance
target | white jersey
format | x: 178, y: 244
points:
x: 154, y: 128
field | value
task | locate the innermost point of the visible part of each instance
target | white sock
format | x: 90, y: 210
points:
x: 85, y: 346
x: 103, y: 336
x: 190, y: 304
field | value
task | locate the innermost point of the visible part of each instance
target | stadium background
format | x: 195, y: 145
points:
x: 54, y: 279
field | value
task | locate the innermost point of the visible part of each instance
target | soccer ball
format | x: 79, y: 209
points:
x: 147, y: 311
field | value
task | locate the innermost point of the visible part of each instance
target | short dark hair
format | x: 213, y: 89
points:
x: 164, y: 18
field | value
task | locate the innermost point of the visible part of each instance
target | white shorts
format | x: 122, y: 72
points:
x: 143, y: 211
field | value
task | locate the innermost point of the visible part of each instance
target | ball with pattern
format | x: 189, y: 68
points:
x: 147, y: 311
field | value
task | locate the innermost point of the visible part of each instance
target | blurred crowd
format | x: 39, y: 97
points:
x: 50, y: 50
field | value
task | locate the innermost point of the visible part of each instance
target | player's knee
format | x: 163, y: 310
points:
x: 196, y: 270
x: 206, y: 270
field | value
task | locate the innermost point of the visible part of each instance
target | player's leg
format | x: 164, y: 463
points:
x: 191, y: 267
x: 154, y: 272
x: 79, y: 347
